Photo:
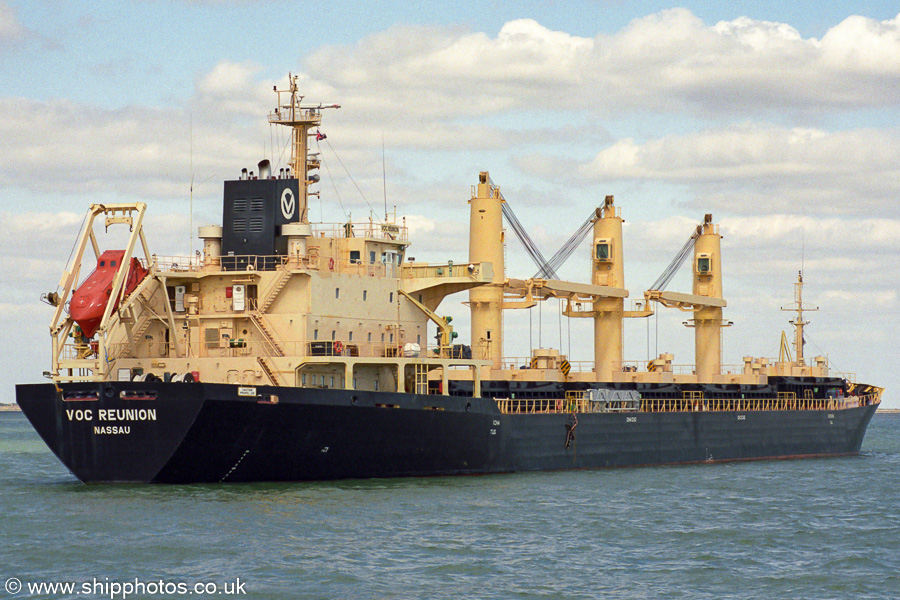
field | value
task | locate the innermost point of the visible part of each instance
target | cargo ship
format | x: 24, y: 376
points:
x: 289, y: 350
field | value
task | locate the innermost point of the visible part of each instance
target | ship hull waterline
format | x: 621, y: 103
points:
x: 199, y: 432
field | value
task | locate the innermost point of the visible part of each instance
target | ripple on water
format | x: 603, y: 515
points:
x: 783, y: 529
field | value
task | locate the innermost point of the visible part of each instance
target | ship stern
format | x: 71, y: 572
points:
x: 112, y: 431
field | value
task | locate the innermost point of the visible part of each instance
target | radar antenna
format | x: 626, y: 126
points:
x: 300, y: 118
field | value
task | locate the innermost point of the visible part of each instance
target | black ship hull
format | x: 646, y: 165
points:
x: 202, y: 432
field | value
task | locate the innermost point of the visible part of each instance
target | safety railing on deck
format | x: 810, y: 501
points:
x: 253, y: 262
x: 751, y: 404
x: 573, y: 403
x: 366, y: 229
x: 240, y: 347
x: 177, y: 264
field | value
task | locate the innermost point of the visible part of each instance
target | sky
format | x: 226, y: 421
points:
x: 781, y: 119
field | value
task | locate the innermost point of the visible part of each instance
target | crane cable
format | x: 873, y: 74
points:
x: 544, y: 268
x: 663, y: 280
x: 565, y: 251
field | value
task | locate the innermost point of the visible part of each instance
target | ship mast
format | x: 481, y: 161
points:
x: 799, y: 322
x: 300, y: 118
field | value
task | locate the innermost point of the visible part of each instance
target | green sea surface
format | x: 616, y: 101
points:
x: 818, y: 529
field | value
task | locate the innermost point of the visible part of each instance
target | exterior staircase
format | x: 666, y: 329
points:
x: 281, y: 280
x: 267, y: 369
x: 272, y: 346
x: 138, y: 332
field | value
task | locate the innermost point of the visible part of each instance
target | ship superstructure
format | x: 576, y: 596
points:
x: 291, y: 350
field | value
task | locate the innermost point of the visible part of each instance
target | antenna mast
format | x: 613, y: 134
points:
x: 798, y: 322
x: 384, y: 179
x: 300, y: 118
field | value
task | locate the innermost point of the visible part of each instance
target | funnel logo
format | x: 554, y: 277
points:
x: 287, y: 203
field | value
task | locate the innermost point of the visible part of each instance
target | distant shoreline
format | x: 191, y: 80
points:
x: 10, y: 408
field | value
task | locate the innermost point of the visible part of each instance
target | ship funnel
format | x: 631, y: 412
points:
x: 244, y: 174
x: 264, y: 169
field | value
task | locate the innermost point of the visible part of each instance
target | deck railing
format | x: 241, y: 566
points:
x: 572, y: 404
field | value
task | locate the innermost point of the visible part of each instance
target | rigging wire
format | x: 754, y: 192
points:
x: 565, y: 251
x: 284, y: 145
x: 559, y: 322
x: 540, y: 325
x: 348, y: 174
x: 547, y: 269
x: 663, y: 280
x: 821, y: 352
x: 72, y: 251
x: 529, y: 245
x: 384, y: 177
x: 530, y: 329
x: 271, y: 142
x: 336, y: 193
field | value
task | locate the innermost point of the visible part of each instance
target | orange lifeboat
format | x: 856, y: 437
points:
x: 90, y: 299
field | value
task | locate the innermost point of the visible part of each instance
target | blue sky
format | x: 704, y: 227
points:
x: 115, y: 53
x: 779, y: 118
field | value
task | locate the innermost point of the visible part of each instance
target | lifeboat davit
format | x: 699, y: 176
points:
x: 90, y: 299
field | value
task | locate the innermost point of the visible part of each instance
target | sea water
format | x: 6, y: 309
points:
x: 816, y: 529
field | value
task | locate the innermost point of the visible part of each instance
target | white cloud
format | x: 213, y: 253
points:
x: 431, y: 88
x: 853, y: 300
x: 863, y: 45
x: 666, y: 61
x: 35, y: 246
x: 233, y: 88
x: 137, y: 152
x: 11, y: 30
x: 795, y: 169
x: 438, y: 240
x: 762, y: 230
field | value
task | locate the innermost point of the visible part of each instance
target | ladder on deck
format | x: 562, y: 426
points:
x: 284, y: 275
x: 260, y: 321
x: 268, y: 370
